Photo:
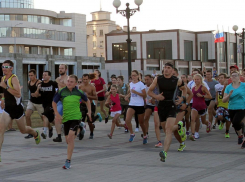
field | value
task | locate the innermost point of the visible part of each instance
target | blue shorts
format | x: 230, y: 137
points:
x: 60, y: 108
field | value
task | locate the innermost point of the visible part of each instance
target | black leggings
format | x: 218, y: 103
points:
x: 236, y: 117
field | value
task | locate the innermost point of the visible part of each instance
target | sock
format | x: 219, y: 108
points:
x: 68, y: 160
x: 45, y: 130
x: 59, y: 135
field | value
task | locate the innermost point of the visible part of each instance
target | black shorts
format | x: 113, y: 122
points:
x: 150, y: 107
x: 166, y: 110
x: 71, y: 125
x: 15, y: 112
x: 201, y: 112
x: 101, y: 98
x: 49, y: 113
x: 208, y: 101
x: 138, y: 109
x: 84, y: 111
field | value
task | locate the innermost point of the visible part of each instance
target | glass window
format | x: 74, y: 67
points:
x: 19, y: 17
x: 221, y: 52
x: 161, y: 49
x: 34, y: 50
x: 27, y: 50
x: 67, y: 22
x: 188, y: 50
x: 11, y: 49
x: 204, y: 51
x: 1, y: 17
x: 94, y: 32
x: 12, y: 17
x: 101, y: 33
x: 1, y: 49
x: 39, y: 19
x: 35, y: 19
x: 6, y: 17
x: 30, y: 18
x: 232, y: 51
x: 68, y: 52
x: 120, y: 51
x: 94, y: 44
x: 3, y: 32
x: 25, y: 18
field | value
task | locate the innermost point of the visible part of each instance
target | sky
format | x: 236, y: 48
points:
x: 193, y: 15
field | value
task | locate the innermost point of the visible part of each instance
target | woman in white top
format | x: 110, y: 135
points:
x: 136, y: 105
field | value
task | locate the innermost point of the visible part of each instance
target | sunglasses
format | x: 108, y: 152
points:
x: 6, y: 66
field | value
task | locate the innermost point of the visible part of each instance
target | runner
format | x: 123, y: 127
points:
x: 168, y: 85
x: 199, y: 107
x: 136, y: 105
x: 113, y: 102
x: 211, y: 103
x: 35, y: 103
x: 234, y: 93
x: 232, y: 69
x: 61, y: 81
x: 13, y: 106
x: 47, y: 89
x: 91, y: 94
x: 222, y: 108
x: 100, y: 86
x: 70, y: 97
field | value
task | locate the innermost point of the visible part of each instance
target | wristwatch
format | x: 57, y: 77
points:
x: 7, y: 87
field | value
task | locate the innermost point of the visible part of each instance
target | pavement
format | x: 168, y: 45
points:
x: 210, y: 158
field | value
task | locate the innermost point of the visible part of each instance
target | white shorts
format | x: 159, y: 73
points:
x: 113, y: 114
x: 35, y: 107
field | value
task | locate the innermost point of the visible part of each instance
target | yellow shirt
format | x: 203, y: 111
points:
x: 219, y: 88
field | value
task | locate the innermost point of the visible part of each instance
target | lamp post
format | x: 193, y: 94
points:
x: 128, y: 13
x: 235, y: 28
x: 15, y: 37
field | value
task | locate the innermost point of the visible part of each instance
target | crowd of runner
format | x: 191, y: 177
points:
x: 180, y: 104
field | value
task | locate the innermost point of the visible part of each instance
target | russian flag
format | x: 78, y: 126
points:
x: 219, y: 37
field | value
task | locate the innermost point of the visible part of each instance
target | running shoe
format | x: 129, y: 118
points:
x: 132, y: 136
x: 38, y: 138
x: 197, y: 135
x: 158, y: 145
x: 242, y: 147
x: 181, y: 147
x: 192, y: 138
x: 163, y: 156
x: 187, y: 133
x: 145, y: 141
x: 28, y: 136
x: 44, y: 135
x: 100, y: 117
x: 221, y: 126
x: 50, y: 133
x: 227, y: 135
x: 181, y: 131
x: 109, y: 135
x: 91, y: 136
x: 126, y: 130
x: 67, y: 165
x: 136, y: 130
x: 57, y: 139
x: 214, y: 126
x: 106, y: 119
x: 208, y: 129
x: 240, y: 140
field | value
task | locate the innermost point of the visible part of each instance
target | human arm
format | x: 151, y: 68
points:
x: 15, y: 91
x: 207, y: 93
x: 227, y: 95
x: 143, y: 94
x: 107, y: 102
x: 150, y: 92
x: 94, y: 95
x: 56, y: 99
x: 225, y: 85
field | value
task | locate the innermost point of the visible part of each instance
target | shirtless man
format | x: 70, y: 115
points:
x: 61, y: 80
x: 89, y: 89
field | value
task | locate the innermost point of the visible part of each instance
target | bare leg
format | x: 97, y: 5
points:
x: 168, y: 139
x: 157, y: 124
x: 70, y: 141
x: 4, y: 122
x: 141, y: 122
x: 28, y: 117
x: 114, y: 121
x: 21, y: 123
x: 211, y: 111
x: 148, y: 113
x: 130, y: 113
x: 194, y: 117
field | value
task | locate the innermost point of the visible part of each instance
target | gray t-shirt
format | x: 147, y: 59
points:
x: 211, y: 86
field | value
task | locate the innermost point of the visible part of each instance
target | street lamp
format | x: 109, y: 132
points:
x: 128, y: 13
x: 15, y: 37
x: 235, y: 28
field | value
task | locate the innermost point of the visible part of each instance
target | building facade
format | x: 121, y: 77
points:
x: 100, y: 25
x: 186, y: 49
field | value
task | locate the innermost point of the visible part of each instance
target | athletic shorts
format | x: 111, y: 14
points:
x: 35, y: 107
x: 49, y: 113
x: 138, y: 109
x: 222, y: 112
x: 150, y: 107
x: 166, y: 110
x: 101, y: 98
x: 71, y: 125
x: 155, y: 109
x: 84, y: 111
x: 208, y: 101
x: 15, y: 112
x: 113, y: 113
x: 201, y: 112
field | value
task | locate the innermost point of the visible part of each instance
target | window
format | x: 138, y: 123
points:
x: 11, y: 49
x: 67, y: 22
x: 94, y: 54
x: 68, y: 52
x: 1, y: 17
x: 94, y: 32
x: 94, y: 44
x: 221, y: 52
x: 232, y: 52
x: 101, y: 33
x: 120, y: 51
x: 188, y: 50
x: 1, y: 49
x: 204, y: 51
x: 152, y: 68
x: 159, y: 49
x: 101, y: 44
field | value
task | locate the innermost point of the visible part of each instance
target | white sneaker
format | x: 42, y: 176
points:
x: 196, y: 135
x: 200, y: 123
x: 119, y: 127
x: 136, y: 130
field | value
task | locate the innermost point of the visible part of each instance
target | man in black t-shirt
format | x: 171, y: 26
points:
x: 47, y: 89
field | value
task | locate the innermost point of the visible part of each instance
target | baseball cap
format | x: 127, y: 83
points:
x: 234, y: 66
